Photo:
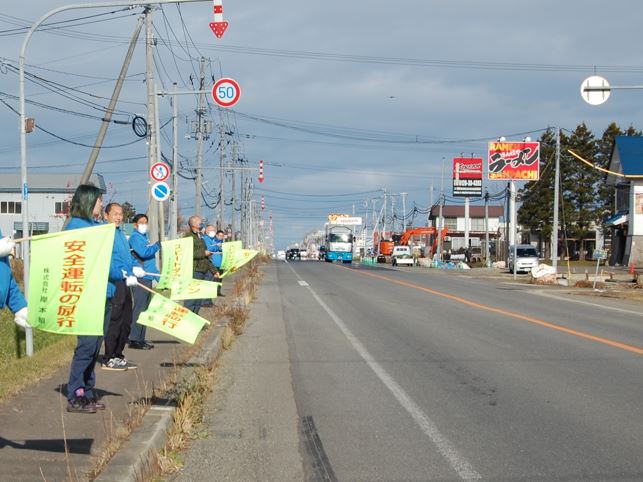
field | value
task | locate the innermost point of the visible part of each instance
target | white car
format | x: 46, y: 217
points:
x: 526, y: 258
x: 402, y: 256
x: 281, y: 254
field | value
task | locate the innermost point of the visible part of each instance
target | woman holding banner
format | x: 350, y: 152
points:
x: 86, y: 208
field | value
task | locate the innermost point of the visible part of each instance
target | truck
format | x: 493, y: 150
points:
x: 340, y: 235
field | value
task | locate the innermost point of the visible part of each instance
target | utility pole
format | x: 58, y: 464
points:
x: 554, y: 234
x: 174, y: 200
x: 466, y: 222
x: 233, y: 162
x: 440, y: 226
x: 152, y: 210
x: 486, y: 228
x: 221, y: 170
x: 428, y: 216
x: 200, y: 132
x: 403, y: 194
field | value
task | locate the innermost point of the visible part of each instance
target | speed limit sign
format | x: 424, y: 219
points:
x: 226, y: 92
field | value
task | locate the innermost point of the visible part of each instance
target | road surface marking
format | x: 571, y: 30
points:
x: 302, y: 283
x: 583, y: 302
x: 457, y: 462
x: 511, y: 314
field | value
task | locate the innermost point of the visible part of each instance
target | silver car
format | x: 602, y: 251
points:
x: 527, y: 257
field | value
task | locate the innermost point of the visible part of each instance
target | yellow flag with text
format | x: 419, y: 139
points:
x: 177, y: 261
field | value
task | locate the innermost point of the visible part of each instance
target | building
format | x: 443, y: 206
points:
x: 454, y: 220
x: 626, y: 175
x: 49, y: 198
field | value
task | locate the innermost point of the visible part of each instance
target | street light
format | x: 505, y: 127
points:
x: 23, y: 119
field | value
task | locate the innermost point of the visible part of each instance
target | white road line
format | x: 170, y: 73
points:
x: 582, y: 302
x: 302, y: 283
x: 457, y: 462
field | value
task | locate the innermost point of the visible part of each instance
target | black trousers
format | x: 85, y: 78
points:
x: 120, y: 322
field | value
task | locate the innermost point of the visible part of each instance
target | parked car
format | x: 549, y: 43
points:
x: 527, y: 257
x: 402, y: 256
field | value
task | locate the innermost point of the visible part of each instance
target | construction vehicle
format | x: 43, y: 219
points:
x: 423, y: 231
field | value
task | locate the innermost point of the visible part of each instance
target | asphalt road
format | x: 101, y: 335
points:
x: 421, y: 375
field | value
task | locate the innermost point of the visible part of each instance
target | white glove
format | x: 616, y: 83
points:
x: 21, y: 318
x: 138, y: 271
x: 131, y: 281
x: 6, y: 246
x: 124, y: 273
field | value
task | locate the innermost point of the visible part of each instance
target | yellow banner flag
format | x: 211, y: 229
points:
x: 177, y: 261
x: 169, y: 317
x: 242, y: 257
x: 193, y: 289
x: 68, y: 280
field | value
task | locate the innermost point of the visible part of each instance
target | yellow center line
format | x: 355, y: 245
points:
x: 511, y: 314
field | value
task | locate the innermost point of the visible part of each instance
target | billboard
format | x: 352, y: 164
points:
x: 467, y: 176
x: 514, y: 161
x: 344, y: 219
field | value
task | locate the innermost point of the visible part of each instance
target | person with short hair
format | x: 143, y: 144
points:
x: 201, y: 258
x: 144, y: 254
x: 214, y: 243
x: 123, y: 274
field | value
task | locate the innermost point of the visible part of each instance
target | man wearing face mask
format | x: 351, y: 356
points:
x: 201, y: 256
x: 144, y: 256
x: 213, y: 242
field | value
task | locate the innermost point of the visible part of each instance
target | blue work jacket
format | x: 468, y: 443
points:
x: 214, y: 245
x: 144, y: 253
x: 10, y: 294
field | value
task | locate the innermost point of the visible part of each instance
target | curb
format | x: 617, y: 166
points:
x: 134, y: 456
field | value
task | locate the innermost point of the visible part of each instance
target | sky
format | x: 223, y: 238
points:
x: 340, y: 99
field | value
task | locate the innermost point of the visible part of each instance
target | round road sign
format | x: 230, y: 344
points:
x: 160, y: 171
x: 226, y: 92
x: 160, y: 191
x: 600, y: 90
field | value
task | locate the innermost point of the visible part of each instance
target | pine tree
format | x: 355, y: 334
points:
x: 581, y: 184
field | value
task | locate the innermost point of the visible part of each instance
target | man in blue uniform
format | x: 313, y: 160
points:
x: 144, y: 256
x: 10, y: 294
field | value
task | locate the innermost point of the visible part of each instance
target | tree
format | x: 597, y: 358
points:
x: 580, y: 185
x: 128, y: 212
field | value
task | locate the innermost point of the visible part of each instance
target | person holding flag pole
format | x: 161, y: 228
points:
x: 10, y: 294
x: 85, y: 210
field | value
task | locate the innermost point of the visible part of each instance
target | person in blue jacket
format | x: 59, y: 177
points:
x: 144, y: 254
x: 214, y: 242
x: 85, y: 210
x: 10, y: 294
x: 123, y: 274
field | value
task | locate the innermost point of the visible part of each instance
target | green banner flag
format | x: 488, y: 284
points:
x: 177, y: 261
x: 229, y: 250
x: 242, y: 257
x: 62, y: 299
x: 169, y: 317
x: 193, y: 289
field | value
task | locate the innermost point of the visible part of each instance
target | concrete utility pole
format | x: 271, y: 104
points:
x: 487, y: 260
x: 403, y: 194
x: 174, y: 199
x: 221, y: 170
x: 233, y: 163
x: 554, y: 234
x: 200, y: 133
x: 152, y: 209
x: 440, y: 227
x: 466, y: 223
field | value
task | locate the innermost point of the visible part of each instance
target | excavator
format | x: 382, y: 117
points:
x: 423, y: 231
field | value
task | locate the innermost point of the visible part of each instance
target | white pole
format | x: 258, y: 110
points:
x: 554, y: 234
x: 466, y: 223
x: 513, y: 232
x: 174, y: 200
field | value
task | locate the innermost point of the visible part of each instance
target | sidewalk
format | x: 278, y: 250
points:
x: 36, y: 427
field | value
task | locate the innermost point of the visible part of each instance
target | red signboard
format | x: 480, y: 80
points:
x: 467, y: 176
x: 517, y: 161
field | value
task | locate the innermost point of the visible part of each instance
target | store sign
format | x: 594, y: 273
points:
x: 344, y: 219
x: 514, y: 161
x: 467, y: 177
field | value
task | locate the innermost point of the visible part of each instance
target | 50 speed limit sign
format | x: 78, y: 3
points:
x: 226, y: 92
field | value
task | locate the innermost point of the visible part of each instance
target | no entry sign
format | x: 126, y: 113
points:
x: 226, y: 92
